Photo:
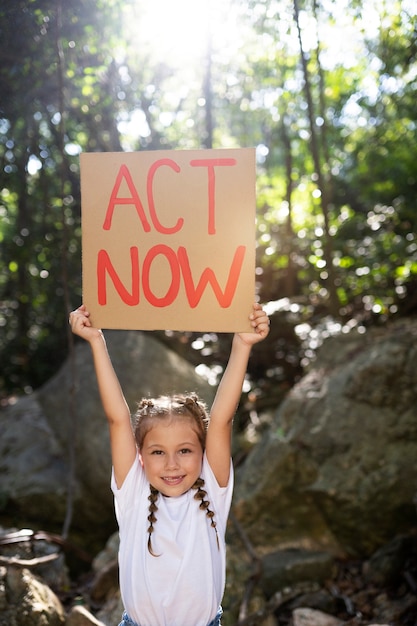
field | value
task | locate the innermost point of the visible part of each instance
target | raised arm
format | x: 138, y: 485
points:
x: 123, y: 446
x: 219, y: 434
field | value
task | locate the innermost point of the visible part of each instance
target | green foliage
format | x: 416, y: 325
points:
x: 86, y: 75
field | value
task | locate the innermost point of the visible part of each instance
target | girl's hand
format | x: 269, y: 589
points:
x: 260, y: 323
x: 80, y: 323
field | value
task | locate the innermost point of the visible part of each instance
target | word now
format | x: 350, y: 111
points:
x: 134, y: 198
x: 179, y: 265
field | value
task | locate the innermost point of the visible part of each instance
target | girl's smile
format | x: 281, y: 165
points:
x: 172, y: 456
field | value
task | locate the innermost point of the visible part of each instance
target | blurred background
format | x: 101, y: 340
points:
x: 324, y: 89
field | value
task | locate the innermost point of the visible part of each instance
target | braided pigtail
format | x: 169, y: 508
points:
x: 205, y: 504
x: 152, y: 517
x: 152, y: 412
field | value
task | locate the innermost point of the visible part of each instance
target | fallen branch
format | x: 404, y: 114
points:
x: 40, y: 560
x: 31, y: 536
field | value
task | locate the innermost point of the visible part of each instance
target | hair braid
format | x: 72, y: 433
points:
x: 205, y: 505
x: 152, y: 517
x: 155, y: 411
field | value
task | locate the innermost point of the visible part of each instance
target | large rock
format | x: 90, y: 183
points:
x: 25, y: 600
x: 64, y: 420
x: 337, y: 467
x: 33, y: 465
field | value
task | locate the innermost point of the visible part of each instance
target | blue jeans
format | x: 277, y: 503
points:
x: 126, y: 621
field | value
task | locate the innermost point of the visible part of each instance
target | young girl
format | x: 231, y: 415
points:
x: 172, y: 482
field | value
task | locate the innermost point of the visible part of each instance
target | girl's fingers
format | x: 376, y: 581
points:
x: 79, y: 318
x: 260, y: 320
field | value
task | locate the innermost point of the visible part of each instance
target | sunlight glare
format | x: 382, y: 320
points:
x: 175, y: 30
x: 178, y: 31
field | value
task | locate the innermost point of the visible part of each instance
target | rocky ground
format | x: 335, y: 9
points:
x: 357, y: 601
x: 380, y: 591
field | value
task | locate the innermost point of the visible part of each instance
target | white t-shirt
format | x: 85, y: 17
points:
x: 184, y: 585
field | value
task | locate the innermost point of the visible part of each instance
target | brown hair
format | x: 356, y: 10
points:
x: 149, y: 412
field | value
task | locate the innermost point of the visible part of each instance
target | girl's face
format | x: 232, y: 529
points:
x: 172, y: 456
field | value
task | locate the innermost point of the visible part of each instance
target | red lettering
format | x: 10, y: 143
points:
x: 211, y: 164
x: 172, y: 292
x: 178, y: 263
x: 194, y: 293
x: 132, y: 199
x: 166, y: 230
x: 105, y: 265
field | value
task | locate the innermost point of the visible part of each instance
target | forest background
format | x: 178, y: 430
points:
x: 324, y: 89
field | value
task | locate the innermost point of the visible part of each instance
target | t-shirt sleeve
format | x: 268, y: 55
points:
x: 221, y: 496
x: 133, y: 484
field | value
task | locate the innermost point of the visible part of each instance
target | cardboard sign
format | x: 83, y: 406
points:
x: 169, y: 239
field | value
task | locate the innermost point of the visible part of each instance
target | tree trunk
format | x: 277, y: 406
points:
x: 207, y: 89
x: 321, y: 183
x: 291, y: 275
